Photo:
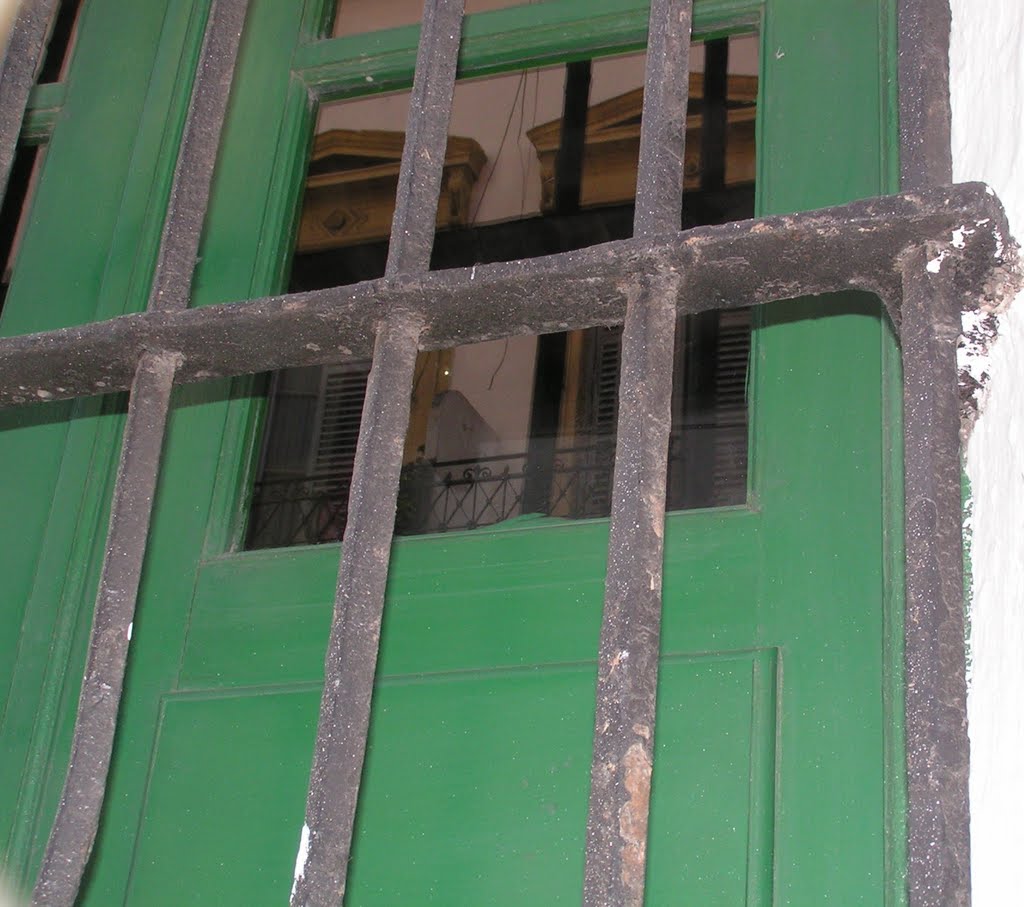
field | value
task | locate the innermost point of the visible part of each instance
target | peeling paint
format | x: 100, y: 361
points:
x: 636, y: 767
x: 935, y: 264
x: 301, y: 857
x: 959, y: 237
x: 978, y: 331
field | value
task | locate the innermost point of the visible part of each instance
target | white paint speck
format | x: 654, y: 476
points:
x: 472, y: 273
x: 972, y: 349
x: 369, y: 78
x: 132, y: 624
x: 935, y: 264
x: 998, y: 237
x: 959, y: 238
x: 301, y: 857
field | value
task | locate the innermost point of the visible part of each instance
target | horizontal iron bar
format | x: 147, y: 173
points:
x: 855, y: 246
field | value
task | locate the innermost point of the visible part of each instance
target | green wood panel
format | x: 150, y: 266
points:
x: 823, y: 560
x: 713, y: 793
x: 466, y: 600
x: 96, y: 199
x: 217, y: 771
x: 234, y: 256
x: 502, y: 755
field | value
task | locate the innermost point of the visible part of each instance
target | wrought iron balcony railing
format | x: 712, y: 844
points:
x: 452, y: 495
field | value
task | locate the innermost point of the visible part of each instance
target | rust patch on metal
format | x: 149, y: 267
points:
x: 636, y: 767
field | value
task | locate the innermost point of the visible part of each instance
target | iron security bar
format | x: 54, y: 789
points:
x: 321, y: 866
x: 938, y: 811
x: 926, y: 254
x: 24, y: 54
x: 946, y: 244
x: 627, y: 663
x: 854, y: 246
x: 78, y: 814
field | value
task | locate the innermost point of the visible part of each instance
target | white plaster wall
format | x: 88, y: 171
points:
x: 987, y: 89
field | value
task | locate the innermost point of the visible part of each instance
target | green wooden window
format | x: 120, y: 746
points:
x: 779, y: 760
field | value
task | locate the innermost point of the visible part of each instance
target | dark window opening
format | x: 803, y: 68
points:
x: 524, y: 426
x: 20, y: 185
x: 61, y: 42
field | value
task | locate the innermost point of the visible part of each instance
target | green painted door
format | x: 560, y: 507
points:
x: 777, y: 773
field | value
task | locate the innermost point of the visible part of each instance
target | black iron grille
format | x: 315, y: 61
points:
x: 883, y: 246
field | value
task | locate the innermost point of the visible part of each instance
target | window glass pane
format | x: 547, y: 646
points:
x: 61, y: 42
x: 21, y: 184
x: 522, y: 427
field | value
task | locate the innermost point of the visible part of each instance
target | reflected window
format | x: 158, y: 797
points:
x: 538, y: 162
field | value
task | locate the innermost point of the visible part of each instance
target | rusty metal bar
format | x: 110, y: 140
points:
x: 935, y: 699
x: 923, y: 76
x: 24, y: 54
x: 659, y: 188
x: 78, y: 814
x: 936, y: 689
x: 855, y: 246
x: 325, y: 844
x: 627, y: 670
x: 193, y: 173
x: 74, y: 829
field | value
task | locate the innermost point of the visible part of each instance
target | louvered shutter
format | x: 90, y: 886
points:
x: 731, y: 355
x: 343, y: 390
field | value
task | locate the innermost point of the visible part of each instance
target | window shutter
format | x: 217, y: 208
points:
x: 732, y: 351
x: 344, y: 387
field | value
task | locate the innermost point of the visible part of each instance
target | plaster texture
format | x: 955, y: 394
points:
x: 987, y: 94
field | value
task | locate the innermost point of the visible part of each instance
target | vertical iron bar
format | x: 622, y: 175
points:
x: 74, y: 829
x: 78, y: 814
x: 21, y: 62
x: 321, y: 865
x: 426, y: 139
x: 936, y: 690
x: 193, y: 173
x: 659, y: 188
x: 935, y: 696
x: 923, y: 77
x: 620, y: 774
